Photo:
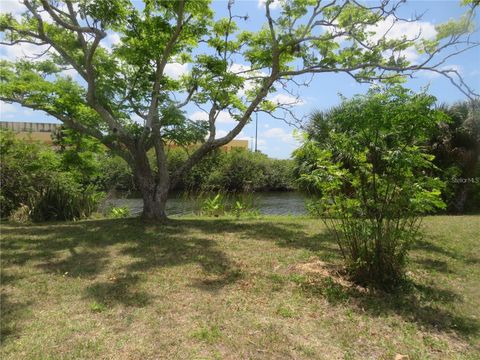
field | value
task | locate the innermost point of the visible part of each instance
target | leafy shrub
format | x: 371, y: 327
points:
x: 115, y: 174
x: 238, y: 205
x: 26, y: 169
x: 32, y: 178
x: 371, y: 179
x: 213, y: 206
x: 239, y: 170
x: 243, y: 206
x: 79, y: 155
x: 65, y: 200
x: 279, y: 175
x: 118, y: 212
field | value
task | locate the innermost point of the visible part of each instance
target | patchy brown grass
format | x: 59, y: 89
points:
x: 198, y: 288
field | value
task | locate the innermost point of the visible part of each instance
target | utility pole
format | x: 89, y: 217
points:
x: 256, y: 130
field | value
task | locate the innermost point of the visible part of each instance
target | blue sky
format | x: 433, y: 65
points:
x: 275, y: 136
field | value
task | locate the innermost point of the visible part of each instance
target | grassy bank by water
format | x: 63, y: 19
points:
x: 197, y: 288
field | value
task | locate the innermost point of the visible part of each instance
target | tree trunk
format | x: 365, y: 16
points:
x: 154, y: 204
x: 154, y: 188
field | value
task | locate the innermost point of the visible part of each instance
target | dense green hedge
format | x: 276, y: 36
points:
x: 36, y: 186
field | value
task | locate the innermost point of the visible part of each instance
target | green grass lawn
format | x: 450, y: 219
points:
x: 199, y: 288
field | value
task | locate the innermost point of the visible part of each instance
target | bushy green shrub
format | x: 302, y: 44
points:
x: 118, y: 212
x: 81, y: 156
x: 213, y: 206
x: 238, y: 205
x: 198, y: 178
x: 279, y: 175
x: 33, y: 178
x: 371, y: 176
x: 240, y: 170
x: 115, y: 174
x: 63, y: 199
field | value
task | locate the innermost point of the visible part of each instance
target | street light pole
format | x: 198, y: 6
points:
x: 256, y: 130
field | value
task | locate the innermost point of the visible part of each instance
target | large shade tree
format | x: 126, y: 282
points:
x: 123, y: 96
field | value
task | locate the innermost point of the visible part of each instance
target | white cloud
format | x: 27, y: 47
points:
x: 274, y: 5
x: 22, y: 50
x: 392, y: 29
x: 284, y: 99
x: 397, y: 30
x: 280, y: 135
x: 13, y: 111
x: 220, y: 133
x: 176, y: 70
x: 223, y: 117
x: 137, y: 119
x: 236, y: 68
x: 70, y: 72
x: 410, y: 54
x: 245, y: 71
x: 7, y: 108
x: 112, y: 39
x: 334, y: 30
x: 14, y: 7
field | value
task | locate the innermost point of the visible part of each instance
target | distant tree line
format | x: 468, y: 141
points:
x: 238, y: 170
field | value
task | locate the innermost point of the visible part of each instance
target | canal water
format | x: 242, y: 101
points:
x: 269, y: 203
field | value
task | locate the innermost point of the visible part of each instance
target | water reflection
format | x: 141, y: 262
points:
x: 271, y: 203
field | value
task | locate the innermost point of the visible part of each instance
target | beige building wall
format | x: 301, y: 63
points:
x: 31, y: 131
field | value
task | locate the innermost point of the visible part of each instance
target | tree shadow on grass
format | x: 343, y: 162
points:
x: 11, y: 312
x: 430, y: 245
x: 413, y: 303
x: 283, y: 234
x: 416, y: 306
x: 84, y: 263
x: 87, y: 250
x: 434, y: 264
x: 119, y: 290
x: 84, y: 250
